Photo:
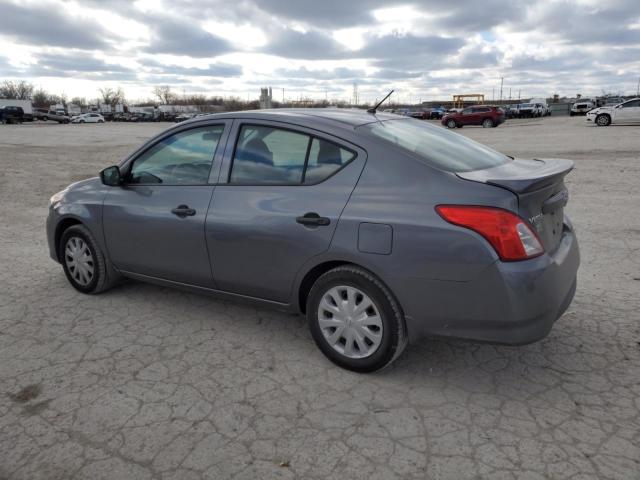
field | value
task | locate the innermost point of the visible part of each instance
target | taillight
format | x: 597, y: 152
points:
x: 507, y: 233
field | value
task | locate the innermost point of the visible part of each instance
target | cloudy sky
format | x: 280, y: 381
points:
x: 425, y: 49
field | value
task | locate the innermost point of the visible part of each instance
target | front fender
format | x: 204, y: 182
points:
x: 82, y: 203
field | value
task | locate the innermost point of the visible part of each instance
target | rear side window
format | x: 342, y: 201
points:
x: 325, y: 158
x: 439, y: 147
x: 267, y: 155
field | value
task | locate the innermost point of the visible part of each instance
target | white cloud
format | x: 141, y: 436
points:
x: 423, y: 48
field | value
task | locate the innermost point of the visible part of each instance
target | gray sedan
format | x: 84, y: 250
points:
x: 379, y: 228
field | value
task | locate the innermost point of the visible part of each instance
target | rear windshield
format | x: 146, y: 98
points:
x: 439, y: 147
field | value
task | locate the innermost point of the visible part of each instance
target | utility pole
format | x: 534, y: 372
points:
x: 493, y: 94
x: 509, y: 93
x: 283, y: 95
x: 501, y: 82
x: 638, y: 88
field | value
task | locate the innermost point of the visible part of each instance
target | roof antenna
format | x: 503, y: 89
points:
x: 373, y: 110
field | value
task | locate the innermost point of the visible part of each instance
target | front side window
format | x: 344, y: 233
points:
x: 437, y: 146
x: 184, y: 158
x: 634, y: 103
x: 266, y: 155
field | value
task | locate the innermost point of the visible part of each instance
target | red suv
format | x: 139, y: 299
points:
x: 484, y: 115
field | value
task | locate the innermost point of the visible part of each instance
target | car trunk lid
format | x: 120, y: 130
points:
x: 539, y: 186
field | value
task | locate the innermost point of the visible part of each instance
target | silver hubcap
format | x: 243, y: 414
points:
x: 79, y: 260
x: 350, y: 322
x: 602, y: 121
x: 451, y: 124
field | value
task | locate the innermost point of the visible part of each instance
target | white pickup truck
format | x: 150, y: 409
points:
x: 581, y: 107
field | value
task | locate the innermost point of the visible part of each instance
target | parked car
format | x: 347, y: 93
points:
x: 627, y: 112
x: 528, y: 110
x: 419, y: 114
x: 57, y: 116
x: 40, y: 113
x: 11, y: 114
x: 183, y: 117
x: 437, y: 113
x: 485, y: 115
x: 26, y: 105
x: 511, y: 111
x: 378, y: 228
x: 542, y: 108
x: 581, y: 107
x: 88, y: 118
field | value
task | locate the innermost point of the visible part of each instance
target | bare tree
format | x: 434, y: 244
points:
x: 79, y: 101
x: 110, y: 96
x: 164, y: 94
x: 18, y: 90
x: 40, y: 98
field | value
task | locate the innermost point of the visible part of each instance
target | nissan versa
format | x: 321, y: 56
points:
x: 379, y: 228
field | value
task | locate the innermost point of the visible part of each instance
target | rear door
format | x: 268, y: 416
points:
x: 277, y: 203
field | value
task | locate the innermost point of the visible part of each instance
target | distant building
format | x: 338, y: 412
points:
x: 265, y: 98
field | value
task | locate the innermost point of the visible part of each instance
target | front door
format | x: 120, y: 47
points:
x: 276, y: 206
x: 154, y: 223
x: 628, y: 112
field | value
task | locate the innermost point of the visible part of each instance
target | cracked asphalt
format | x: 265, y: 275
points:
x: 145, y: 382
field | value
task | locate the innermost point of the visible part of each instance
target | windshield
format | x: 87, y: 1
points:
x: 526, y: 105
x: 443, y: 149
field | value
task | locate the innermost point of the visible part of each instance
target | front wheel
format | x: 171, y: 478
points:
x: 451, y: 124
x: 603, y: 120
x: 487, y: 123
x: 84, y: 264
x: 355, y: 320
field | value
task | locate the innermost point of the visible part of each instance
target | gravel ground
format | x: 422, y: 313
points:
x: 146, y: 382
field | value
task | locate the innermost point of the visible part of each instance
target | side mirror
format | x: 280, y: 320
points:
x: 111, y: 176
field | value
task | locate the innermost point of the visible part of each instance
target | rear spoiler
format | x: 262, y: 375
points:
x: 521, y: 176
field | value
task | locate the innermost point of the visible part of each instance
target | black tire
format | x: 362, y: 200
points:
x: 488, y: 123
x: 104, y: 276
x: 571, y: 114
x: 451, y: 124
x: 394, y: 336
x: 603, y: 120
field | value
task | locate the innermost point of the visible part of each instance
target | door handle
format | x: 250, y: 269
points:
x: 183, y: 211
x: 312, y: 219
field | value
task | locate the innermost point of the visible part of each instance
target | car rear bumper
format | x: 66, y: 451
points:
x: 512, y: 303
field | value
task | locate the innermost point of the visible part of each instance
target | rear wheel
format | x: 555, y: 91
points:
x: 355, y: 320
x: 603, y: 120
x: 451, y: 124
x: 84, y: 264
x: 487, y: 123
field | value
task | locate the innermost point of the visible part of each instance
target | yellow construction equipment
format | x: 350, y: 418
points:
x: 458, y: 100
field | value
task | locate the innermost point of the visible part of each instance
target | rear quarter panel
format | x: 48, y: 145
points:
x: 402, y: 192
